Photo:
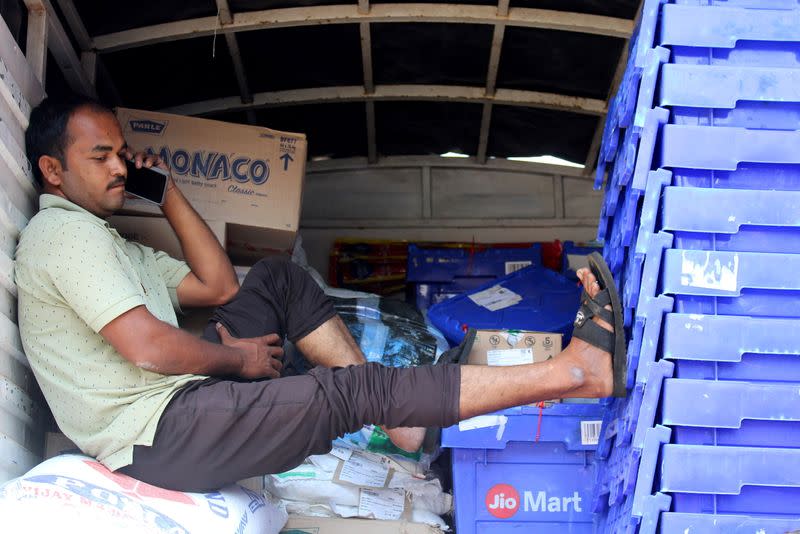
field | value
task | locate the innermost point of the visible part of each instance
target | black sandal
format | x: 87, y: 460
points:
x: 594, y: 334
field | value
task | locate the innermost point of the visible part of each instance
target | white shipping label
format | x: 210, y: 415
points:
x: 495, y: 298
x: 342, y: 453
x: 362, y: 471
x: 514, y: 266
x: 503, y: 357
x: 590, y: 432
x: 698, y: 270
x: 387, y: 504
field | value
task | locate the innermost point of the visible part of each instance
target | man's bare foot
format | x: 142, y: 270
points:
x: 408, y: 439
x: 590, y: 367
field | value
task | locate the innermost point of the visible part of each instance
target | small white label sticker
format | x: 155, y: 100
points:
x: 482, y: 421
x: 698, y: 270
x: 362, y: 471
x: 495, y: 298
x: 590, y: 432
x: 504, y: 357
x: 386, y: 504
x: 514, y: 266
x: 342, y: 453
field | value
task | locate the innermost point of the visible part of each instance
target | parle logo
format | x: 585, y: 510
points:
x: 147, y: 126
x: 502, y: 501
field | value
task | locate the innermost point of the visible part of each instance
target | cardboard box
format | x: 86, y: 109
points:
x: 156, y: 232
x: 513, y: 347
x: 246, y: 176
x: 327, y: 525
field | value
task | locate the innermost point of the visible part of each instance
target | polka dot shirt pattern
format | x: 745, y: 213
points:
x: 74, y: 275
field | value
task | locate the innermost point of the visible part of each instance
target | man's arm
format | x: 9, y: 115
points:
x: 212, y: 281
x: 159, y: 347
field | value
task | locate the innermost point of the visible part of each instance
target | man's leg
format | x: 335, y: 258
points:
x: 332, y: 345
x: 279, y: 297
x: 216, y: 432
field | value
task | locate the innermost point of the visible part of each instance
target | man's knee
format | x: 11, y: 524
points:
x: 274, y: 267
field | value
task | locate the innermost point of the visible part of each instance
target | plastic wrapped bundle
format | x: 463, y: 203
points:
x: 391, y: 332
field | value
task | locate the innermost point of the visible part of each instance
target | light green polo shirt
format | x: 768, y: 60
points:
x: 74, y: 275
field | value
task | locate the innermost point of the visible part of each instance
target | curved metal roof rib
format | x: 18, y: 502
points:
x: 242, y: 60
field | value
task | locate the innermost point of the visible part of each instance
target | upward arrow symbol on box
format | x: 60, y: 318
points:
x: 286, y: 159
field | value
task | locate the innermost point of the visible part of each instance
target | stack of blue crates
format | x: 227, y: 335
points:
x: 439, y: 273
x: 701, y: 223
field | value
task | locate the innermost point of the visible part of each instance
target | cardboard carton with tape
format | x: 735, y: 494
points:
x: 249, y: 178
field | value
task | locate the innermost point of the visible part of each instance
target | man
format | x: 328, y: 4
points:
x: 97, y: 319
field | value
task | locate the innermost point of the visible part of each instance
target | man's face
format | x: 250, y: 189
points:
x: 94, y: 177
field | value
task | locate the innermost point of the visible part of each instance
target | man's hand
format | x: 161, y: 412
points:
x: 143, y: 159
x: 261, y: 356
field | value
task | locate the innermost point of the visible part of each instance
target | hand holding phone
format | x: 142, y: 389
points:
x: 148, y: 183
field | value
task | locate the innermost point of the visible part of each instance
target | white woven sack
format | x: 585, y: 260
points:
x: 74, y: 493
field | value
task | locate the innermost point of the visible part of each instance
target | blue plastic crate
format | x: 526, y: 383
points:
x: 650, y: 310
x: 749, y: 97
x: 731, y: 35
x: 761, y: 4
x: 656, y: 180
x: 549, y: 303
x: 635, y: 158
x: 541, y: 487
x: 498, y: 453
x: 732, y: 283
x: 732, y: 480
x: 731, y: 413
x: 634, y: 95
x: 732, y: 348
x: 624, y: 497
x: 614, y: 252
x: 624, y: 430
x: 732, y: 220
x: 560, y: 422
x: 680, y: 523
x: 429, y: 293
x: 748, y: 176
x: 446, y: 264
x: 726, y: 148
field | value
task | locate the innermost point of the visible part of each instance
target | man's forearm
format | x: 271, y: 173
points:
x: 202, y: 251
x: 172, y: 351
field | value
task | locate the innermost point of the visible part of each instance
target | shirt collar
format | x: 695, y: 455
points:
x: 46, y: 200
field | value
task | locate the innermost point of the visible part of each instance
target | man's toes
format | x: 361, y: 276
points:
x: 589, y: 281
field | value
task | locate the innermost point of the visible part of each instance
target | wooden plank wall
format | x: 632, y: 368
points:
x: 23, y: 413
x: 425, y: 199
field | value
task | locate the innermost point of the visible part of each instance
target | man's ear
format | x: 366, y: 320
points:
x: 51, y: 170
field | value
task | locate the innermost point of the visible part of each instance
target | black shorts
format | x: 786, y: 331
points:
x: 217, y: 431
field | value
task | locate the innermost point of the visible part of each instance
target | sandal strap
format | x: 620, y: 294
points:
x: 595, y: 306
x: 592, y: 333
x: 603, y: 297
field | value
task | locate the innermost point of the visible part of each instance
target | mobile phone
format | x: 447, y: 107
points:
x: 147, y: 183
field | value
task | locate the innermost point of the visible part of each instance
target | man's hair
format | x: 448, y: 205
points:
x: 47, y: 129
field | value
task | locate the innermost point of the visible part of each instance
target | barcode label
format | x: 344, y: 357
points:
x: 590, y: 432
x: 514, y: 266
